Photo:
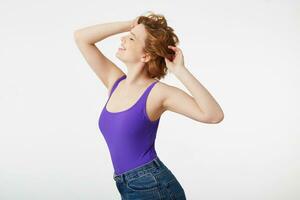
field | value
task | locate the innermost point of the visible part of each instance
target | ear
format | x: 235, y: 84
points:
x: 145, y: 58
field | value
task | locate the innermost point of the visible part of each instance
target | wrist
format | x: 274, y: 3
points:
x: 179, y: 70
x: 128, y: 25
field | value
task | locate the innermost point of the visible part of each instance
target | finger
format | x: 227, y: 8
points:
x: 167, y: 60
x: 176, y: 49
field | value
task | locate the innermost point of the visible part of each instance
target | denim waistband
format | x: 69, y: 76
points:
x: 153, y: 166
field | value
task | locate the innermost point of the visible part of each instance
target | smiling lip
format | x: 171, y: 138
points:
x: 122, y: 47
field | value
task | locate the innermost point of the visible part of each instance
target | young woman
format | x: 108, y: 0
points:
x: 136, y: 101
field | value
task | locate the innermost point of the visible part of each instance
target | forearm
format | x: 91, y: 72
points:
x: 98, y: 32
x: 201, y: 95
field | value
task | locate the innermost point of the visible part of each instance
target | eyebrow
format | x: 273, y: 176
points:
x: 133, y: 34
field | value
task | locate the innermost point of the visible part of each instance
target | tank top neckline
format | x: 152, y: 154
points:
x: 136, y: 102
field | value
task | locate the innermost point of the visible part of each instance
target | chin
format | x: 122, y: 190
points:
x: 118, y: 56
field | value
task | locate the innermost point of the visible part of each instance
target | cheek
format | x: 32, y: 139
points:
x: 134, y: 50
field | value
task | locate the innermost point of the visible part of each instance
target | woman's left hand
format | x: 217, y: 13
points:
x: 177, y: 61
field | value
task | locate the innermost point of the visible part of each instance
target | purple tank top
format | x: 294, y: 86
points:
x: 129, y: 134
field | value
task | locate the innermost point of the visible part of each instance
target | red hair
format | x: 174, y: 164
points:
x: 159, y: 36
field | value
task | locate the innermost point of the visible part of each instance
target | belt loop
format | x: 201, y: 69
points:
x: 156, y: 162
x: 123, y: 177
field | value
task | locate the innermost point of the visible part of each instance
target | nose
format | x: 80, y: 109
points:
x: 122, y: 38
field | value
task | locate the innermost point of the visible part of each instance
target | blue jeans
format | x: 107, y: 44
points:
x: 151, y: 181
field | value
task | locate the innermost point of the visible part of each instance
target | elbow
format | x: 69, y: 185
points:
x: 216, y: 118
x: 79, y: 37
x: 76, y: 35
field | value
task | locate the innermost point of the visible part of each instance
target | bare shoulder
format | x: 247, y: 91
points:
x: 154, y: 105
x: 176, y: 100
x: 159, y: 88
x: 163, y: 89
x: 159, y: 93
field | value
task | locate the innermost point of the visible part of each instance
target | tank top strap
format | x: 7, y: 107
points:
x: 144, y: 97
x: 116, y: 84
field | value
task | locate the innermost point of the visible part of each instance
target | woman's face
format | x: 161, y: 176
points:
x: 134, y: 43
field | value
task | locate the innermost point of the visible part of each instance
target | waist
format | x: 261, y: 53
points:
x: 155, y: 166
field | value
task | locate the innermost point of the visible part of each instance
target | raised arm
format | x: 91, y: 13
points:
x: 86, y: 38
x: 201, y: 106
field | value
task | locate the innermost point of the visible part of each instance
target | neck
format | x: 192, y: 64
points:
x: 137, y: 75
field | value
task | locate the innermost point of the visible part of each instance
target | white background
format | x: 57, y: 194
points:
x: 246, y: 53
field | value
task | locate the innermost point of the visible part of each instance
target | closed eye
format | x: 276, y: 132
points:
x: 131, y: 38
